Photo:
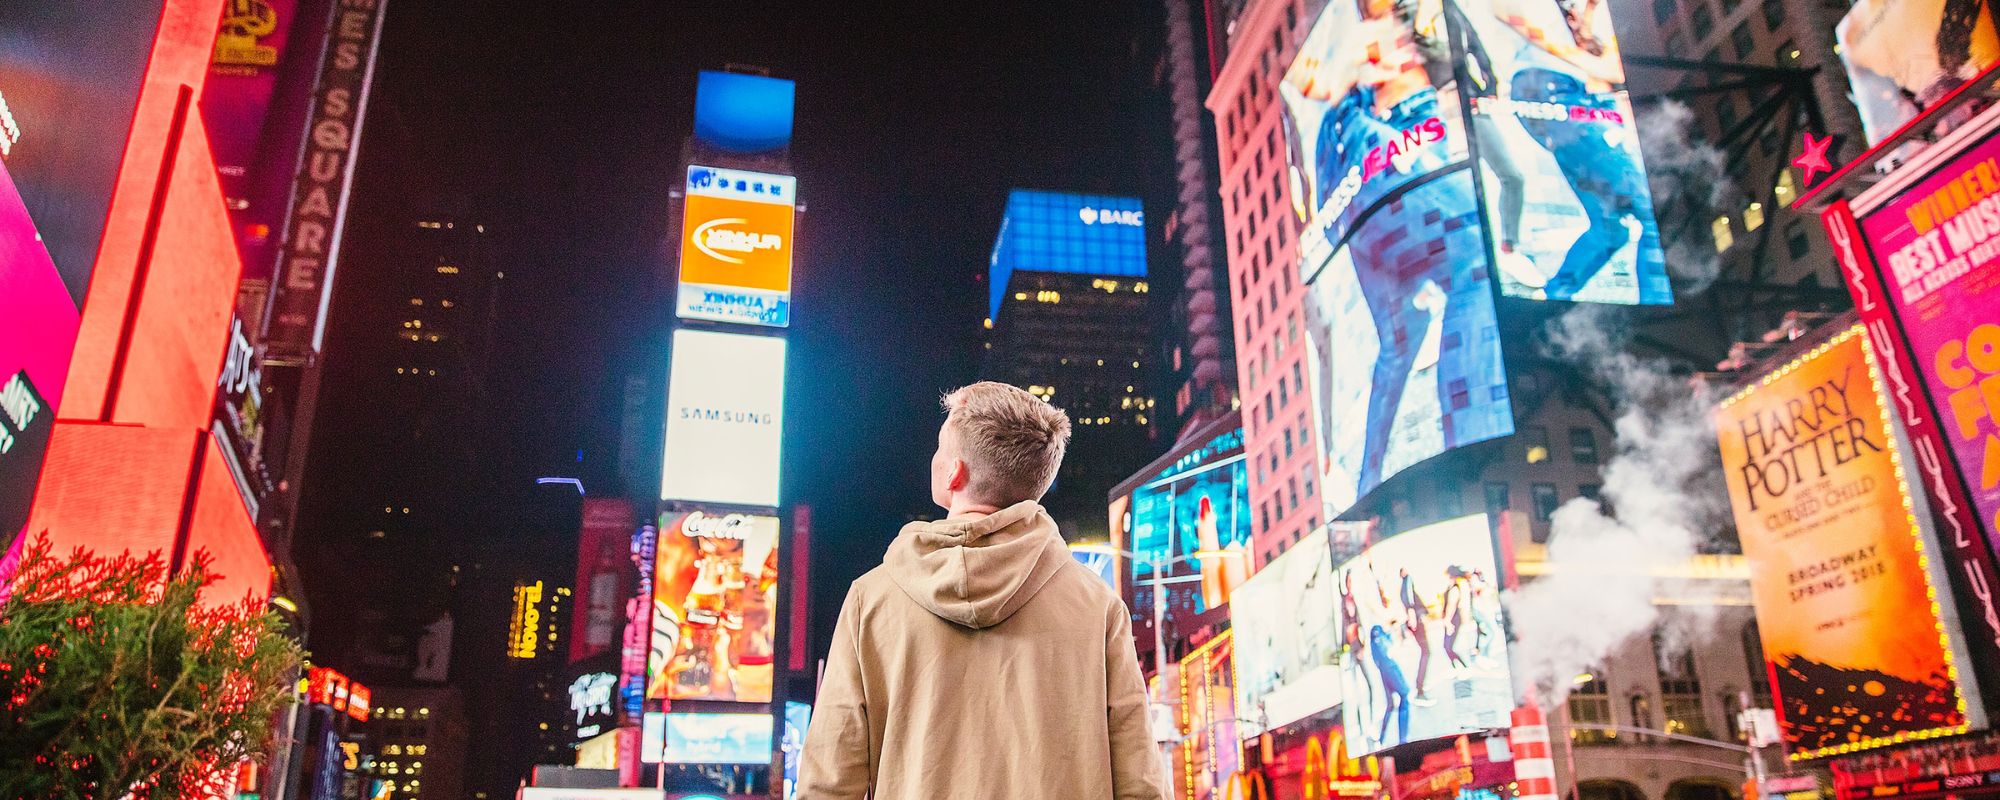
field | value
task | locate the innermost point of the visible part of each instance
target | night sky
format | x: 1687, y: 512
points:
x: 562, y: 127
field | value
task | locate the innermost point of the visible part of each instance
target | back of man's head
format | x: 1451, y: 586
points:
x: 1012, y: 442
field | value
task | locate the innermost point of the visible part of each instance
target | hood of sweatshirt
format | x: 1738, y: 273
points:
x: 978, y: 572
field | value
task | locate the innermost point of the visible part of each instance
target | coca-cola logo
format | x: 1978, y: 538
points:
x: 730, y: 526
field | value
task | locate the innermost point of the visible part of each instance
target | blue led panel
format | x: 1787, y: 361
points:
x: 1080, y: 234
x: 744, y: 114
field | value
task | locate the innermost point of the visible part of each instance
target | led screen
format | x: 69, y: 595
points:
x: 743, y: 114
x: 1102, y: 565
x: 36, y: 337
x: 69, y: 84
x: 1287, y: 643
x: 1853, y: 638
x: 1199, y: 503
x: 603, y: 566
x: 1565, y: 185
x: 714, y: 628
x: 697, y: 738
x: 1423, y: 639
x: 1368, y: 113
x: 1405, y: 351
x: 1210, y: 755
x: 725, y: 416
x: 736, y: 247
x: 1079, y: 234
x: 1392, y: 249
x: 798, y: 716
x: 1903, y: 55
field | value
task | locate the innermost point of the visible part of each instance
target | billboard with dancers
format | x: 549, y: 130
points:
x: 1423, y: 649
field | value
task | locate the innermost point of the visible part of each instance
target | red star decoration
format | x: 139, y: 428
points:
x: 1813, y: 159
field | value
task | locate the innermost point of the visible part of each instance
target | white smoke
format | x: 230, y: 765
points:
x: 1690, y: 189
x: 1659, y: 499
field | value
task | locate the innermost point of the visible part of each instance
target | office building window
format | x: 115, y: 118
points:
x: 1702, y: 22
x: 1680, y: 691
x: 1590, y: 710
x: 1663, y: 10
x: 1796, y: 242
x: 1535, y: 444
x: 1788, y: 54
x: 1583, y: 445
x: 1774, y: 14
x: 1742, y: 40
x: 1544, y: 495
x: 1499, y: 497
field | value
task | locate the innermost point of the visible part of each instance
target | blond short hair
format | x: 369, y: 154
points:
x: 1012, y: 441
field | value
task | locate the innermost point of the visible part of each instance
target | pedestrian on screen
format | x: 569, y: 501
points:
x: 981, y: 660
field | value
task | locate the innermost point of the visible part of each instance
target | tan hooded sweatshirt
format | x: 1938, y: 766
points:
x: 981, y: 661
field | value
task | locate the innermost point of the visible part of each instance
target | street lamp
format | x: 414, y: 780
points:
x: 1159, y: 566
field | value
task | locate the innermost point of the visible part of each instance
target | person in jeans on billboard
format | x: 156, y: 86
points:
x: 980, y: 659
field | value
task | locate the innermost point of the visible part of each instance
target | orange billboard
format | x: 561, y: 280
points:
x: 1858, y: 653
x: 736, y: 247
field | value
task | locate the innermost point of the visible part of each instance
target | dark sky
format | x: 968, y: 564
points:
x: 563, y: 125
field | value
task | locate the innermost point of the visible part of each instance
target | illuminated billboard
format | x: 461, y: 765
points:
x: 725, y: 419
x: 1287, y: 644
x: 798, y: 716
x: 1076, y: 234
x: 736, y: 247
x: 1936, y: 259
x: 1199, y: 501
x: 715, y: 586
x: 1559, y: 159
x: 524, y: 626
x: 1392, y: 250
x: 35, y: 344
x: 1210, y: 755
x: 743, y: 114
x: 1424, y: 643
x: 603, y: 569
x: 1857, y: 651
x: 1901, y: 56
x: 705, y: 738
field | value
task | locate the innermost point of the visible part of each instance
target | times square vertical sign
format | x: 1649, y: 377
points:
x: 296, y: 323
x: 1920, y: 252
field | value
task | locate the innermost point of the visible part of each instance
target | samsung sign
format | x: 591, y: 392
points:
x: 725, y: 419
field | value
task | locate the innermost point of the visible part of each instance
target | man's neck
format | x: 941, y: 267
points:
x: 967, y: 509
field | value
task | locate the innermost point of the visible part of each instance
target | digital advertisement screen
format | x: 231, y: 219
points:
x: 1903, y: 55
x: 1210, y: 754
x: 736, y: 247
x: 1102, y: 565
x: 1368, y: 113
x: 1392, y: 250
x: 1075, y: 234
x: 1857, y: 650
x: 725, y: 418
x: 1423, y: 637
x: 698, y: 738
x: 743, y: 114
x: 798, y: 716
x: 715, y: 629
x: 1405, y: 348
x: 1287, y: 643
x: 603, y: 571
x: 1935, y: 248
x: 1565, y: 185
x: 1201, y: 502
x: 70, y: 68
x: 36, y: 338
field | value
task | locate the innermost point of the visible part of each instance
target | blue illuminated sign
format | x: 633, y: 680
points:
x: 744, y: 114
x: 1077, y: 234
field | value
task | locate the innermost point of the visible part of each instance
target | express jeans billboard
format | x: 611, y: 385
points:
x: 1558, y: 145
x: 1392, y: 251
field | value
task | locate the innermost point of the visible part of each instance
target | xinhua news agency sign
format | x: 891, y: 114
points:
x: 311, y: 249
x: 736, y: 247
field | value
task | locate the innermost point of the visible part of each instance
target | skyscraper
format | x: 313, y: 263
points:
x: 1070, y: 321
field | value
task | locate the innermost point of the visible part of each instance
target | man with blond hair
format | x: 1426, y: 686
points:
x: 981, y: 660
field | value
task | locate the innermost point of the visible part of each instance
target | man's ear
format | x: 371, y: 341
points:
x: 960, y: 475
